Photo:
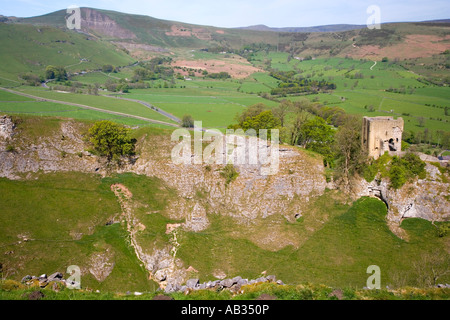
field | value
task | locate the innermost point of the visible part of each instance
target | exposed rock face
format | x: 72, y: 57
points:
x: 6, y: 127
x: 252, y: 195
x: 101, y: 264
x: 422, y: 198
x: 202, y: 190
x: 101, y: 23
x: 61, y: 151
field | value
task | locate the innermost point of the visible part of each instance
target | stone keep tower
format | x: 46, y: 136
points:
x: 382, y: 134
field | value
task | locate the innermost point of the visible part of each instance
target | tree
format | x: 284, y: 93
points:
x: 107, y: 68
x: 111, y: 140
x: 281, y: 111
x: 264, y: 120
x: 421, y: 121
x: 57, y: 73
x: 250, y: 112
x: 318, y: 136
x: 295, y: 127
x: 347, y: 148
x: 187, y: 121
x: 431, y: 267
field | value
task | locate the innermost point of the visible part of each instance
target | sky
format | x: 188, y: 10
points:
x: 240, y: 13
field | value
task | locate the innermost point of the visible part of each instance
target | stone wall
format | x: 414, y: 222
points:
x: 382, y: 134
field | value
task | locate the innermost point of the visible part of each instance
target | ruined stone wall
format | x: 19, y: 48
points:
x: 382, y: 134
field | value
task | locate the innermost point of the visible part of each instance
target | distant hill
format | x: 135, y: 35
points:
x: 326, y: 28
x: 119, y: 38
x: 329, y: 27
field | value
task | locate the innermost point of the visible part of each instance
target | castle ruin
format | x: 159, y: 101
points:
x: 382, y: 134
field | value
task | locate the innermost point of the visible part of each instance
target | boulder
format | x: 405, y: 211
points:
x: 57, y: 276
x: 192, y: 283
x: 242, y: 282
x: 227, y: 283
x: 262, y: 279
x: 271, y: 278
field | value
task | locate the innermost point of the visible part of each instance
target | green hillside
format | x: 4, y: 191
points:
x: 30, y: 49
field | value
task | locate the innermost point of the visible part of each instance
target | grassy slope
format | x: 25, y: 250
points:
x: 337, y: 255
x: 28, y: 48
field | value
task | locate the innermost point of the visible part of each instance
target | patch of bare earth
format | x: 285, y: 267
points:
x: 141, y: 50
x: 414, y: 46
x: 181, y: 31
x: 237, y: 67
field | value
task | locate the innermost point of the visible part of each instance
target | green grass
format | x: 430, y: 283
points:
x: 338, y: 254
x: 64, y: 215
x: 215, y: 107
x: 28, y: 48
x: 101, y: 102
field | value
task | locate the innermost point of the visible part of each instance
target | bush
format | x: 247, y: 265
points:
x: 398, y: 176
x: 187, y: 121
x: 369, y: 172
x: 229, y: 173
x: 111, y: 140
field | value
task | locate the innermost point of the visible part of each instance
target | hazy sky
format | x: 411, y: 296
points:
x: 237, y: 13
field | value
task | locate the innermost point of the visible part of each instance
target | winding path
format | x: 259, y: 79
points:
x: 375, y: 63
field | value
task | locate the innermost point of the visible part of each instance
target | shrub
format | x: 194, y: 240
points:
x: 229, y: 173
x: 187, y: 121
x: 398, y: 176
x: 111, y: 140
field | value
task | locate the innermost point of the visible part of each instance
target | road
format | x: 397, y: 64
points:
x: 148, y: 105
x: 91, y: 108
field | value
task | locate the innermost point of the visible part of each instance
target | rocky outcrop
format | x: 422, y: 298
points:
x: 55, y: 281
x: 61, y: 149
x: 421, y: 198
x: 232, y: 284
x: 101, y: 264
x: 6, y: 127
x: 251, y: 195
x: 93, y: 20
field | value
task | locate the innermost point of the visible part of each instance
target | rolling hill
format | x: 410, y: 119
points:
x: 139, y: 31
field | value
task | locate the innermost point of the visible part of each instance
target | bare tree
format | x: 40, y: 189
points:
x: 281, y: 111
x: 431, y: 267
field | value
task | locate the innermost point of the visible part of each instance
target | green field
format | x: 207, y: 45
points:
x: 11, y: 103
x: 359, y: 87
x: 216, y: 107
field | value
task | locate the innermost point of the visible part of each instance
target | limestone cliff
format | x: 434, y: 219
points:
x: 421, y: 198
